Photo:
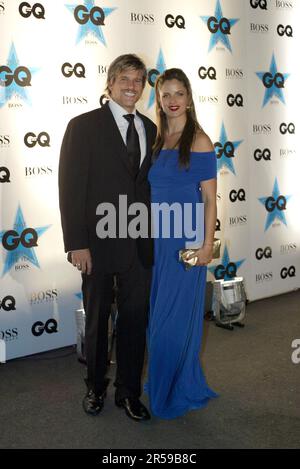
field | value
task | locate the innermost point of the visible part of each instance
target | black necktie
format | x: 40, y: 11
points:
x: 133, y: 144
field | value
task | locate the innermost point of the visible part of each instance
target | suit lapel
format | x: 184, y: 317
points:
x: 147, y: 160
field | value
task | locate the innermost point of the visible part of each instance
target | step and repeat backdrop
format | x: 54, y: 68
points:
x: 242, y: 60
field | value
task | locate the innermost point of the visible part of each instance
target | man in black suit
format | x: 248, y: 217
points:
x: 105, y: 155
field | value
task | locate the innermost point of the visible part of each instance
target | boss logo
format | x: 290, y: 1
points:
x: 39, y: 327
x: 43, y: 296
x: 259, y: 28
x: 287, y: 128
x: 234, y: 73
x: 11, y: 239
x: 237, y: 195
x: 82, y: 15
x: 75, y: 100
x: 4, y: 174
x: 210, y: 73
x: 260, y: 253
x: 171, y: 21
x: 288, y: 248
x: 103, y: 99
x: 284, y: 4
x: 230, y: 271
x: 43, y: 139
x: 8, y: 303
x: 218, y: 225
x: 266, y: 276
x: 21, y: 76
x: 285, y: 31
x: 208, y: 99
x: 262, y: 129
x: 38, y: 171
x: 279, y: 203
x: 4, y: 140
x: 142, y: 18
x: 288, y: 272
x: 262, y: 154
x: 238, y: 221
x: 262, y: 4
x: 37, y: 10
x: 269, y: 80
x: 152, y: 75
x: 2, y: 8
x: 214, y: 25
x: 9, y: 334
x: 287, y: 152
x: 235, y: 100
x: 227, y: 150
x: 78, y: 70
x: 102, y: 69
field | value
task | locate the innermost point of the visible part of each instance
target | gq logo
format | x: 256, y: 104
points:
x: 237, y: 195
x: 260, y: 253
x: 288, y: 272
x: 103, y: 99
x: 11, y: 239
x: 8, y: 303
x: 269, y: 80
x: 21, y: 76
x: 210, y: 73
x: 37, y: 10
x: 287, y: 128
x: 214, y: 25
x: 39, y: 327
x: 285, y: 31
x: 262, y: 4
x: 82, y: 15
x: 262, y: 154
x: 218, y: 225
x: 229, y: 271
x: 78, y: 70
x: 43, y: 139
x: 171, y: 21
x: 235, y: 100
x: 4, y: 174
x: 152, y: 75
x: 227, y: 149
x: 271, y: 203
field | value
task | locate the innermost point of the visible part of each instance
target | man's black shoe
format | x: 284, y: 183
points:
x: 93, y: 404
x: 133, y: 408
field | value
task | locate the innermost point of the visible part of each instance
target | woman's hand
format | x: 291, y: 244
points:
x: 203, y: 254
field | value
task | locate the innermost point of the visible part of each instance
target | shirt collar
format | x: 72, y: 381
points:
x: 117, y: 110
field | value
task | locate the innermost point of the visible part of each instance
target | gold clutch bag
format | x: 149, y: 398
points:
x: 185, y: 253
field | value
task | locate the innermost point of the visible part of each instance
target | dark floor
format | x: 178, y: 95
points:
x: 251, y: 369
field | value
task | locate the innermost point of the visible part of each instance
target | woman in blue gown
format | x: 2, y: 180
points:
x: 184, y: 171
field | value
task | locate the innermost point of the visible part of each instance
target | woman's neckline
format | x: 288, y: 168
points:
x: 176, y: 149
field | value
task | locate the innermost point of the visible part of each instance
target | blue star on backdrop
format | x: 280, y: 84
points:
x: 273, y: 90
x: 7, y: 92
x: 20, y: 251
x: 160, y: 67
x: 89, y: 27
x: 225, y: 160
x: 224, y: 262
x: 276, y: 213
x: 219, y: 36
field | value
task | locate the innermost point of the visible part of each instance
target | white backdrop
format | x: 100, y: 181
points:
x: 241, y: 57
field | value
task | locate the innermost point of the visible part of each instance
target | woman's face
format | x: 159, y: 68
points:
x: 173, y: 98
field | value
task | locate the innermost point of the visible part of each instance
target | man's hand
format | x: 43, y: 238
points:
x: 82, y: 260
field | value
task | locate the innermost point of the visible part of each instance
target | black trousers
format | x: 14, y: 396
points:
x: 133, y: 289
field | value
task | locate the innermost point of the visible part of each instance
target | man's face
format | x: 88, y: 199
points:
x: 127, y: 88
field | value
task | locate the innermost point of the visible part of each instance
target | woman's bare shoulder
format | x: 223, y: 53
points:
x: 202, y: 143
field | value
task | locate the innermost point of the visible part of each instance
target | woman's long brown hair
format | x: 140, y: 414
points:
x: 191, y: 127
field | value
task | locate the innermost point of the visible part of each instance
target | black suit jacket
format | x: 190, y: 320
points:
x: 94, y: 169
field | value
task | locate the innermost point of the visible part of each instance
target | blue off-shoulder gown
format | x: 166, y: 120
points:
x: 176, y: 383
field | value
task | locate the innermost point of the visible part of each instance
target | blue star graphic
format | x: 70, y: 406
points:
x: 273, y: 90
x: 226, y: 160
x: 89, y: 27
x: 7, y: 92
x: 79, y: 296
x: 160, y: 67
x: 219, y: 36
x: 20, y: 251
x: 224, y: 262
x: 276, y: 212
